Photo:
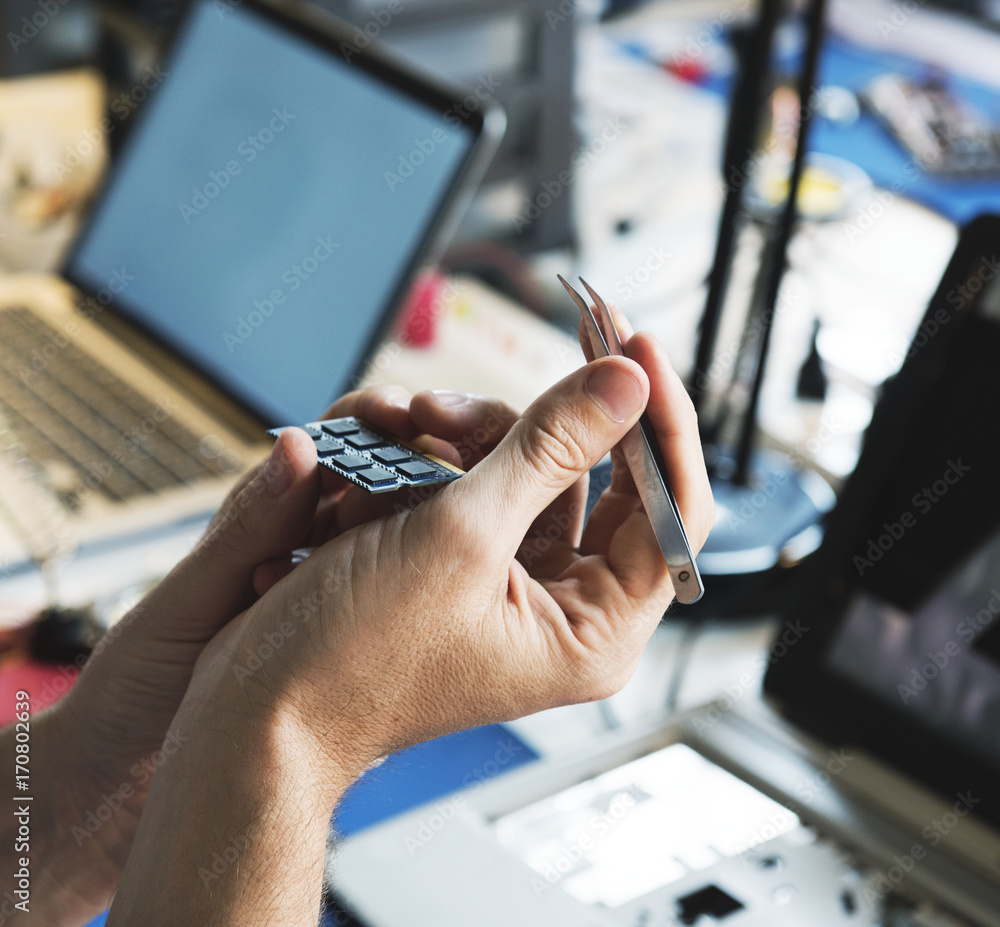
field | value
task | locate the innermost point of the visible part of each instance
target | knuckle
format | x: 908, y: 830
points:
x: 553, y: 449
x: 692, y: 414
x: 687, y: 417
x: 495, y: 419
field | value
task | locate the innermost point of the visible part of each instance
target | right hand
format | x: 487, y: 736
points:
x: 490, y: 600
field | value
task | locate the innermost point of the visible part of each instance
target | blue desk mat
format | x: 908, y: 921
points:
x: 424, y: 773
x: 870, y: 146
x: 429, y: 771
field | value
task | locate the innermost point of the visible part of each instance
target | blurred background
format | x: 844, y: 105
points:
x: 630, y: 157
x: 651, y: 147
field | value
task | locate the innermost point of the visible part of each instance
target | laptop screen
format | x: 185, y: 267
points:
x: 902, y: 652
x: 269, y: 204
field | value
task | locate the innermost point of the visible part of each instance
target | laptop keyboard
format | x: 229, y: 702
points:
x: 86, y: 428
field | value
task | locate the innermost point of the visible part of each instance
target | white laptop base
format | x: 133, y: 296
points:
x: 51, y: 501
x: 646, y: 832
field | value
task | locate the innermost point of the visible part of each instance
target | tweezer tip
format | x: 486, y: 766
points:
x: 593, y: 293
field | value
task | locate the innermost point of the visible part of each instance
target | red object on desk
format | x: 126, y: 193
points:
x: 687, y: 69
x: 418, y: 319
x: 44, y: 683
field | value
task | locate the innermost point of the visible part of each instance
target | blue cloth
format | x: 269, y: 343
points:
x: 869, y: 145
x: 429, y: 771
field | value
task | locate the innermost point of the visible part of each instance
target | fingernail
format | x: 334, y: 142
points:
x: 615, y: 391
x: 447, y: 397
x: 278, y: 471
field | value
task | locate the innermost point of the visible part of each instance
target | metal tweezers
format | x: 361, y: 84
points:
x: 642, y: 454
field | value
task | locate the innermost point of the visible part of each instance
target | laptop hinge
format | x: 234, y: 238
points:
x: 200, y: 391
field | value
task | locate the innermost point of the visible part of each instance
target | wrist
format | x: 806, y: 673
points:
x: 317, y: 725
x: 236, y: 824
x: 71, y: 872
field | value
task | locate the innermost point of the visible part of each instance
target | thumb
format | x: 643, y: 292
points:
x: 266, y: 516
x: 567, y: 430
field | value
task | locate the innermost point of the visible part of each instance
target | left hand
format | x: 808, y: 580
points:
x: 103, y: 742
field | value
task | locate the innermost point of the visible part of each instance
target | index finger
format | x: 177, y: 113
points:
x: 675, y: 423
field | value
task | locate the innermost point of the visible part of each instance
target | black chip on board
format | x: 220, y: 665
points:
x: 392, y: 455
x: 365, y: 439
x: 371, y: 460
x: 351, y: 461
x: 376, y: 475
x: 341, y: 426
x: 416, y: 468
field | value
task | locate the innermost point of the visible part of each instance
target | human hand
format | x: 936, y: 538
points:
x: 488, y: 601
x: 492, y: 599
x: 98, y: 749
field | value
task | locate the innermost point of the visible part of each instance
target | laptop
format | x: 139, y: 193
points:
x: 862, y: 789
x: 268, y: 210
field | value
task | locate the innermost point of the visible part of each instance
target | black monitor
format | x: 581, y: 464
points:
x: 902, y: 601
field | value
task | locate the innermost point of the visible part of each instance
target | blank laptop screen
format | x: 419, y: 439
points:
x: 266, y: 207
